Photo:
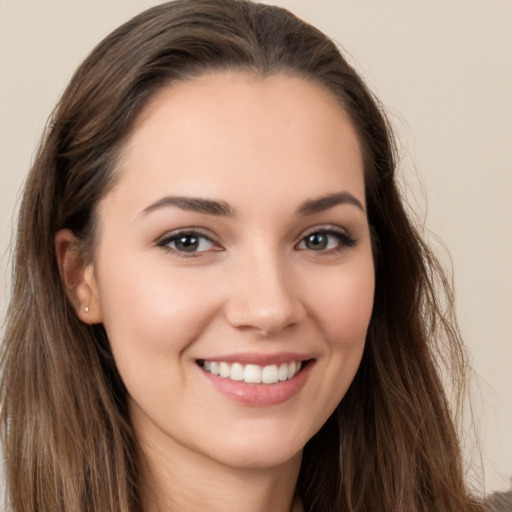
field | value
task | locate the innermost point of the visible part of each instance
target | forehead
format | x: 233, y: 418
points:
x: 244, y: 131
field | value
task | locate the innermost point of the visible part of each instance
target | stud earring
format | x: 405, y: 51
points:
x: 87, y: 309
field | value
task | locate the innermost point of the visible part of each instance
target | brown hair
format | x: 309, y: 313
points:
x: 391, y: 444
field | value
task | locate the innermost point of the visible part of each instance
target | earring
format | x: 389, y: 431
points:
x: 86, y: 309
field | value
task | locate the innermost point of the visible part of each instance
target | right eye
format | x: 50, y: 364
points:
x: 187, y: 243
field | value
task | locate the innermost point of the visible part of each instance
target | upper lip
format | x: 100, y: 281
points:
x: 259, y: 359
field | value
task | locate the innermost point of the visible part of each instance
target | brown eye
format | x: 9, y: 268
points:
x: 187, y: 242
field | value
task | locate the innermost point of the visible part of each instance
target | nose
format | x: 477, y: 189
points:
x: 263, y: 296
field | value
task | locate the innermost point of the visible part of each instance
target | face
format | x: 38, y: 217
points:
x: 233, y: 269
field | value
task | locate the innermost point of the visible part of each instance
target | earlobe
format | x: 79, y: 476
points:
x: 78, y: 277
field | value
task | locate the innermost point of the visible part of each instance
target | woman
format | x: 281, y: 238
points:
x: 219, y: 301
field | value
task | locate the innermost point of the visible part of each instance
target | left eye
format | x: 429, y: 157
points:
x: 187, y: 242
x: 325, y: 240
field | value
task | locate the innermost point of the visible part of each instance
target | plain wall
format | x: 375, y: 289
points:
x: 443, y: 68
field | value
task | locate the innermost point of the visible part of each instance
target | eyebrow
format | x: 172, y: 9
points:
x: 193, y: 204
x: 221, y: 208
x: 325, y: 202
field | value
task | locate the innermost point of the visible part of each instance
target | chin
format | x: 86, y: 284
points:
x: 257, y: 460
x: 260, y: 452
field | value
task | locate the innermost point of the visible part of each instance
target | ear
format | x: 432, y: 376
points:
x: 78, y: 277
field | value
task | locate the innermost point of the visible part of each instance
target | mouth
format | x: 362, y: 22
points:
x: 254, y: 373
x: 255, y: 379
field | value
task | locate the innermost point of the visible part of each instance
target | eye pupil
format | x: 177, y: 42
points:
x: 317, y: 241
x: 187, y: 243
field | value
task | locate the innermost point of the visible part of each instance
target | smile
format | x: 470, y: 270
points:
x: 253, y: 373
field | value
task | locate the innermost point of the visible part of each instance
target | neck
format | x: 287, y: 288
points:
x: 181, y: 480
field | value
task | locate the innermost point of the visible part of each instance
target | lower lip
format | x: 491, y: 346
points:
x: 260, y: 394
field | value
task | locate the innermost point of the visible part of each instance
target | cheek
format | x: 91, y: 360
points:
x: 344, y: 308
x: 152, y: 308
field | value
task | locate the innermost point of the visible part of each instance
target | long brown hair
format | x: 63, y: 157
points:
x: 391, y: 444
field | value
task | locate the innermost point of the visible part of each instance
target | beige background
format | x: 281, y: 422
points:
x: 444, y: 70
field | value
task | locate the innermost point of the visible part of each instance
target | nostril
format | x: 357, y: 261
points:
x: 268, y: 319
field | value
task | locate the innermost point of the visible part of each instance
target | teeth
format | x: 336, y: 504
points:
x: 291, y: 369
x: 237, y: 372
x: 252, y: 373
x: 269, y: 374
x: 282, y: 373
x: 214, y: 368
x: 224, y: 370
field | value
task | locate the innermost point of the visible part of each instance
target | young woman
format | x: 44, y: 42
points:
x: 219, y: 302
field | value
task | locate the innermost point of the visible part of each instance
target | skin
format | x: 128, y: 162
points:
x: 263, y: 147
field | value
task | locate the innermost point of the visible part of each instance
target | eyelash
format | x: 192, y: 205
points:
x: 165, y: 242
x: 344, y: 240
